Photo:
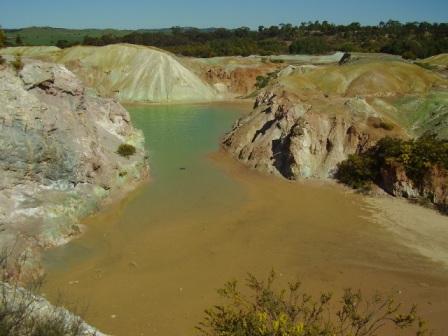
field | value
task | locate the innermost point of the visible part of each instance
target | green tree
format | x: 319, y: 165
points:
x: 2, y: 38
x: 310, y: 45
x: 19, y: 41
x: 17, y: 64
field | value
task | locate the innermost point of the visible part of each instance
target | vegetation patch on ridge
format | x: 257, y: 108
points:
x: 126, y: 150
x: 417, y: 157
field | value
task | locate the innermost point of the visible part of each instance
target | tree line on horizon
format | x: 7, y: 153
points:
x: 410, y: 40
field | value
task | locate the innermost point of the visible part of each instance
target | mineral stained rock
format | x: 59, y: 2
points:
x: 310, y: 119
x: 58, y: 153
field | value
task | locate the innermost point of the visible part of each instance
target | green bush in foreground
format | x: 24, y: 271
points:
x: 291, y: 312
x: 384, y: 125
x: 17, y: 64
x: 126, y: 150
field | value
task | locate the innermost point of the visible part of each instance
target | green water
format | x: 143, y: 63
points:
x: 179, y: 139
x: 154, y: 260
x: 184, y: 182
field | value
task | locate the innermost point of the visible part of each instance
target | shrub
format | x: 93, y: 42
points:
x: 63, y: 44
x: 126, y: 150
x: 357, y: 172
x: 17, y: 64
x: 22, y: 312
x: 420, y: 155
x: 263, y: 81
x: 291, y: 312
x: 416, y: 156
x: 19, y: 41
x: 2, y: 38
x: 310, y: 45
x: 426, y: 66
x: 384, y: 125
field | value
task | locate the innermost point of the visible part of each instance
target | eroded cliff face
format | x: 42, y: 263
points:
x: 306, y: 122
x: 296, y: 139
x: 232, y: 77
x: 432, y: 188
x: 58, y: 153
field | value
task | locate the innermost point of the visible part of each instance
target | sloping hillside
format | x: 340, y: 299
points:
x: 129, y: 73
x: 439, y: 60
x: 372, y: 78
x: 136, y: 73
x: 306, y: 122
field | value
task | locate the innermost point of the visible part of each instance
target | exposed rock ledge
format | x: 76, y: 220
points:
x: 58, y: 157
x: 285, y: 136
x: 306, y: 122
x: 309, y: 120
x: 433, y: 187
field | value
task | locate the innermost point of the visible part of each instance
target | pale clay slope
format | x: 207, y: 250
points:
x: 129, y: 73
x: 438, y: 60
x: 416, y: 227
x: 368, y: 79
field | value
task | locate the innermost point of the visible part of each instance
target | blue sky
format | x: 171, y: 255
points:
x: 210, y: 13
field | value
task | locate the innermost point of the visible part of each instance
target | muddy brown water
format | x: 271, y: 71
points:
x: 151, y: 263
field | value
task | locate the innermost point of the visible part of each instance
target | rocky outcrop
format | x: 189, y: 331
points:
x: 310, y: 119
x: 287, y: 137
x: 433, y: 187
x: 58, y: 157
x: 238, y: 82
x: 232, y: 76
